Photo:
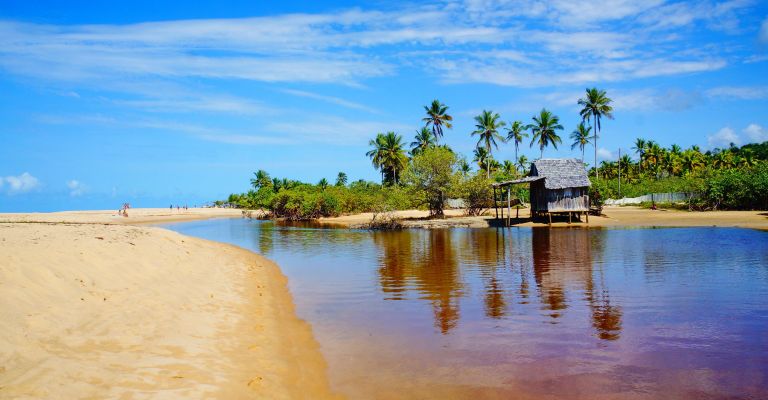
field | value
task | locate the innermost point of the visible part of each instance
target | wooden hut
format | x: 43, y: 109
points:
x: 558, y: 186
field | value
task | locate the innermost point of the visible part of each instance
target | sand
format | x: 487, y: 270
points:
x: 96, y: 309
x: 612, y: 216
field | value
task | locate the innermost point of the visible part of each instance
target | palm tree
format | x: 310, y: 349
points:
x: 464, y: 167
x: 508, y: 167
x: 543, y: 129
x: 260, y: 179
x: 580, y: 138
x: 522, y: 163
x: 516, y: 133
x: 596, y: 105
x: 640, y: 145
x: 323, y: 183
x: 341, y: 179
x: 388, y: 155
x: 487, y: 126
x: 437, y: 117
x: 483, y: 158
x: 423, y: 140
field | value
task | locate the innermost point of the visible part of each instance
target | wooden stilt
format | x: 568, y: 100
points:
x: 495, y: 206
x: 509, y: 205
x: 550, y: 218
x: 587, y: 214
x: 569, y: 217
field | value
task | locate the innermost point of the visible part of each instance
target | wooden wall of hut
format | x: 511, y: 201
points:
x: 558, y: 200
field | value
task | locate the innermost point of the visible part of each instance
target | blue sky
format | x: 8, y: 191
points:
x: 179, y: 102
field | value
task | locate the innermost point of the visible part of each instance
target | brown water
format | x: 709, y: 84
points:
x: 527, y: 313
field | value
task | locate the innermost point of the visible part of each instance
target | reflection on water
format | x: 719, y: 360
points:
x: 527, y: 313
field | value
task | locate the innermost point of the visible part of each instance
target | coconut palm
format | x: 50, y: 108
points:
x: 464, y: 167
x: 543, y: 128
x: 423, y: 140
x: 437, y: 117
x: 483, y: 158
x: 639, y: 148
x: 261, y: 179
x: 341, y: 179
x: 516, y: 134
x: 487, y: 126
x: 581, y: 138
x: 522, y: 163
x: 388, y: 155
x: 323, y: 183
x: 508, y: 167
x: 596, y: 105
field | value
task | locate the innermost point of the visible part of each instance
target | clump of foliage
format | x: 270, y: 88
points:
x: 477, y: 193
x: 432, y: 176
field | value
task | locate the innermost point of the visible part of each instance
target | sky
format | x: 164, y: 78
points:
x: 157, y: 103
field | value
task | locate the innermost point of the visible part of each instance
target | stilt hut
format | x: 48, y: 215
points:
x: 558, y: 186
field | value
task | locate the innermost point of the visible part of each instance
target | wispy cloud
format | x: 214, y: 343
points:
x: 723, y: 138
x: 570, y: 44
x: 330, y: 99
x: 738, y: 92
x: 19, y: 184
x: 76, y: 188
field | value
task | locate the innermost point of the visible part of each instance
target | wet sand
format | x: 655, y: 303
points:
x: 612, y: 216
x: 92, y: 308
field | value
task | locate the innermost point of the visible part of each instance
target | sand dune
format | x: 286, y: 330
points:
x: 113, y: 311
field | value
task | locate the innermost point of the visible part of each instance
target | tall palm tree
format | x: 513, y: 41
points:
x: 581, y: 138
x: 596, y: 105
x: 640, y: 145
x: 543, y: 128
x: 388, y: 155
x: 522, y: 163
x: 483, y: 159
x: 423, y: 140
x: 516, y: 133
x: 437, y: 117
x: 487, y: 127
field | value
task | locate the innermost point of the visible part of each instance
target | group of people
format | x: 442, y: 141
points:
x: 124, y: 210
x: 178, y: 207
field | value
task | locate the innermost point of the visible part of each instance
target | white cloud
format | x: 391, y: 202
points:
x: 763, y: 36
x: 525, y: 44
x: 756, y: 133
x: 20, y: 184
x: 76, y: 188
x: 723, y: 138
x: 739, y: 92
x: 605, y: 154
x: 329, y: 99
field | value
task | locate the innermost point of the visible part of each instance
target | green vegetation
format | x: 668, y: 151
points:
x: 429, y: 172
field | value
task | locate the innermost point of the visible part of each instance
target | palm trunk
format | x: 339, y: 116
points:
x: 597, y: 173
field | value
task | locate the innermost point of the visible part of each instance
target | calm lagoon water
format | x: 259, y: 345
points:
x: 518, y: 313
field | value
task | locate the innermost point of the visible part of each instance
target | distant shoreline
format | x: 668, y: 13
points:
x: 626, y: 216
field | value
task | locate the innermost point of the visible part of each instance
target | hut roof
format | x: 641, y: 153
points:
x: 560, y: 173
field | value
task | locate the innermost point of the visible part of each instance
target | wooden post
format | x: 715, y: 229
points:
x: 495, y: 206
x: 550, y: 218
x: 509, y: 205
x: 569, y: 217
x: 587, y: 216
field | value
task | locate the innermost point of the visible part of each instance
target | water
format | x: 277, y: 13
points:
x: 526, y: 313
